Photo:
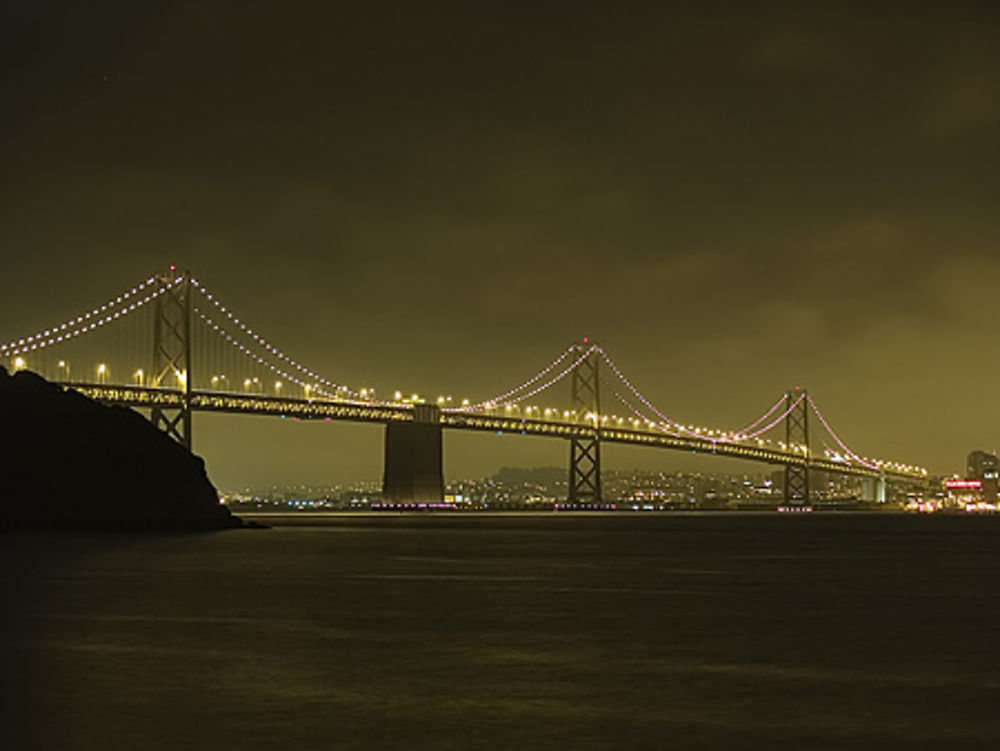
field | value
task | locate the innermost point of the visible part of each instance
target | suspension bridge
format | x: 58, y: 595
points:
x: 169, y: 346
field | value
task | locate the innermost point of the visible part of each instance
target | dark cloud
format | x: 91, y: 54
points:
x: 732, y: 198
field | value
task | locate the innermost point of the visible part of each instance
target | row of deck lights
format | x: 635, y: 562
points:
x: 103, y: 374
x: 129, y: 302
x: 101, y: 369
x: 530, y: 411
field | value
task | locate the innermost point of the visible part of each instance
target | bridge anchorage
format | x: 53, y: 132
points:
x: 205, y: 359
x: 413, y: 466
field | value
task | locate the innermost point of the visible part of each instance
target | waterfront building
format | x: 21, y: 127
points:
x: 984, y: 467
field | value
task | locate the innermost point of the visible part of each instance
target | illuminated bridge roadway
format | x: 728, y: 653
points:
x: 196, y: 340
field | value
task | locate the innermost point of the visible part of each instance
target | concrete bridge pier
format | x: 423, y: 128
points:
x: 413, y: 462
x: 873, y: 489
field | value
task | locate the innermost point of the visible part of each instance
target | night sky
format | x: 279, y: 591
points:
x: 440, y: 197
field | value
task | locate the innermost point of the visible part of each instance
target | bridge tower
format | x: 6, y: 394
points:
x: 172, y: 353
x: 585, y: 451
x: 797, y: 433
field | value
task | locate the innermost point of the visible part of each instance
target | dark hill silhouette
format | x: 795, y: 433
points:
x: 67, y: 462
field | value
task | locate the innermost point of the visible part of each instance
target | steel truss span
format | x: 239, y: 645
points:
x: 145, y: 397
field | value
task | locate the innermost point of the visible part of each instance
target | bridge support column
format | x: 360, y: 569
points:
x: 873, y: 489
x: 172, y: 353
x: 585, y: 451
x: 797, y: 435
x: 868, y: 489
x: 413, y: 459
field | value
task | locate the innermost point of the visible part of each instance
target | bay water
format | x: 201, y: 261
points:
x: 535, y: 631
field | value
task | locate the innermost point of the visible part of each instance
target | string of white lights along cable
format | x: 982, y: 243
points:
x: 760, y: 419
x: 501, y: 398
x: 670, y: 428
x: 666, y: 420
x: 81, y: 323
x: 776, y: 421
x: 272, y: 350
x: 850, y: 454
x: 877, y: 464
x: 648, y: 404
x: 538, y: 389
x: 313, y: 388
x: 734, y: 435
x: 707, y: 436
x: 645, y: 419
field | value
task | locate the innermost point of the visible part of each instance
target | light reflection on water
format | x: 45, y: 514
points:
x: 431, y: 632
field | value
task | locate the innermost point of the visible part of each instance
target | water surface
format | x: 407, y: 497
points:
x: 496, y: 632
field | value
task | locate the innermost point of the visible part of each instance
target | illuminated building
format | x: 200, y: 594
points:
x: 984, y: 467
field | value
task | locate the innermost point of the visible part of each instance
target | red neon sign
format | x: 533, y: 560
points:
x: 963, y: 484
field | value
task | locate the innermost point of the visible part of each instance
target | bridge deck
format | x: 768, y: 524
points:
x: 318, y: 409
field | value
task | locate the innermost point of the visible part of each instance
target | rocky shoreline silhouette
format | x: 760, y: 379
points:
x: 70, y: 463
